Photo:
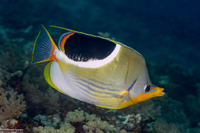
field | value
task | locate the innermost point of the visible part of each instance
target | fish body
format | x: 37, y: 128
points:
x: 94, y: 69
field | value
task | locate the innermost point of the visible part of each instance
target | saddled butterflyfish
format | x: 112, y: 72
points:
x: 94, y: 69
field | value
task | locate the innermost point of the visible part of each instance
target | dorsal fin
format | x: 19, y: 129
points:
x: 58, y: 27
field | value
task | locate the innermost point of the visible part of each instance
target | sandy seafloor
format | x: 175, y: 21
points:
x: 165, y: 32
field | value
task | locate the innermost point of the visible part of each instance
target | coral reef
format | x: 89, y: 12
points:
x: 131, y: 122
x: 65, y: 128
x: 76, y: 116
x: 11, y: 105
x: 81, y: 121
x: 95, y: 124
x: 50, y: 120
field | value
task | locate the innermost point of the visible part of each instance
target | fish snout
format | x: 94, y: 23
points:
x: 159, y: 91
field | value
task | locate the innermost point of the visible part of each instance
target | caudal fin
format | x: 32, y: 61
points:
x: 44, y: 47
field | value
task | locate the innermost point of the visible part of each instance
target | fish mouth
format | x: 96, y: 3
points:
x: 162, y: 93
x: 159, y: 91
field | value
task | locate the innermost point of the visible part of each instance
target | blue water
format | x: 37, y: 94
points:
x: 165, y: 32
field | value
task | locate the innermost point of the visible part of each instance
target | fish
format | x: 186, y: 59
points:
x: 94, y: 69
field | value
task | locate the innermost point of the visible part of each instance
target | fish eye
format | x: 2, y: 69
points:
x: 147, y: 88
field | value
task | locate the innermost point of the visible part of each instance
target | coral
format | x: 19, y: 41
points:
x: 9, y: 124
x: 96, y: 125
x: 11, y: 105
x: 50, y: 120
x: 110, y: 121
x: 65, y: 128
x: 148, y: 109
x: 136, y: 118
x: 131, y: 122
x: 91, y: 122
x: 75, y: 121
x: 76, y: 116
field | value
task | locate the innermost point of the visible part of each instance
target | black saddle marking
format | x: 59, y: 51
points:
x: 80, y: 47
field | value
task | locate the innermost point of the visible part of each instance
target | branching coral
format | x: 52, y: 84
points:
x: 92, y: 122
x: 82, y: 122
x: 131, y: 122
x: 65, y: 128
x: 96, y: 125
x: 11, y: 105
x: 76, y: 116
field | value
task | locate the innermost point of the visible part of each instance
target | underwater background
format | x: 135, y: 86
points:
x: 165, y: 32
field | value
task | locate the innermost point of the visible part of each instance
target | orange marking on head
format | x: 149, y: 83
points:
x: 63, y: 40
x: 145, y: 96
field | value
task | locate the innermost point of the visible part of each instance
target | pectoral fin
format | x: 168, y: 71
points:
x: 125, y: 95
